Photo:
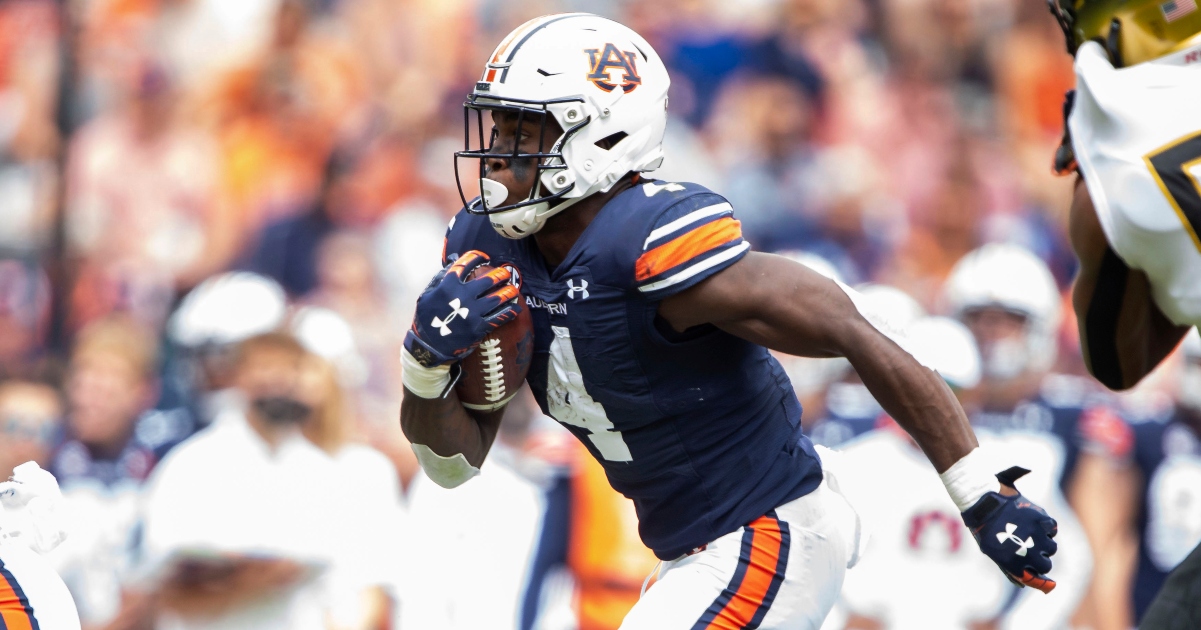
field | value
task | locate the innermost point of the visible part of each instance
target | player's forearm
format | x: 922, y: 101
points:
x: 915, y: 396
x: 443, y: 425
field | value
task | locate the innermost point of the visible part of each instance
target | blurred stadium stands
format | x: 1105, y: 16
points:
x: 149, y: 145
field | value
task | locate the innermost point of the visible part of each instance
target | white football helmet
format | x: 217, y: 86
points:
x: 602, y: 83
x: 947, y: 347
x: 227, y: 309
x: 1012, y: 278
x: 328, y: 335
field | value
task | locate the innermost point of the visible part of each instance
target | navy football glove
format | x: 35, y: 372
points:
x: 454, y: 314
x: 1015, y: 533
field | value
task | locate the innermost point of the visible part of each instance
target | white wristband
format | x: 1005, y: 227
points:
x: 969, y: 479
x: 426, y: 382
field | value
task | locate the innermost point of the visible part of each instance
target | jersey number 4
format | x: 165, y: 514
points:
x: 1172, y: 166
x: 570, y: 403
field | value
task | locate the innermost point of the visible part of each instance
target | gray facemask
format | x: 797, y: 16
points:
x: 281, y: 409
x: 1005, y: 359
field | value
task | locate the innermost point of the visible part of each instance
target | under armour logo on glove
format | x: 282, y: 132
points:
x: 1008, y: 534
x: 443, y: 325
x: 995, y: 522
x: 477, y: 307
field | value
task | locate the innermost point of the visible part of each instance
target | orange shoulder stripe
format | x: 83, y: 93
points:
x: 687, y: 246
x: 766, y: 546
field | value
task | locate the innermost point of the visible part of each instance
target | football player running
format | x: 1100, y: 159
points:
x: 1134, y: 137
x: 652, y: 323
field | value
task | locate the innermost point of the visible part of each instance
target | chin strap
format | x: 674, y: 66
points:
x: 1113, y: 43
x: 1064, y: 163
x: 1066, y: 19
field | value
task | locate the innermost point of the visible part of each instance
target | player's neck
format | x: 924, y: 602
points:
x: 561, y: 231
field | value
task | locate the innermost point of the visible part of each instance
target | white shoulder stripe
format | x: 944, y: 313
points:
x: 704, y: 265
x: 691, y: 217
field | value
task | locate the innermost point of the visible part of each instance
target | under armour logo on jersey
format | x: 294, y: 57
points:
x: 1008, y: 534
x: 572, y: 289
x: 456, y: 310
x: 600, y: 63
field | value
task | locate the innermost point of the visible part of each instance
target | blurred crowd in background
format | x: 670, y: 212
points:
x: 202, y: 199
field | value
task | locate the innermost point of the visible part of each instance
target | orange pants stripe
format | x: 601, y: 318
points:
x: 15, y: 611
x: 761, y: 565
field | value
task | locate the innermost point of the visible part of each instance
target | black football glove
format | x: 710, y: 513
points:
x: 1015, y: 533
x: 454, y: 314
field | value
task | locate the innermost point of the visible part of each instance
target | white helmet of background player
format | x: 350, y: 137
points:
x: 947, y: 347
x: 1011, y: 278
x: 600, y: 81
x: 227, y: 309
x: 1190, y: 376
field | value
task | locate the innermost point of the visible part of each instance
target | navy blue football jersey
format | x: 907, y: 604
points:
x: 700, y: 429
x: 851, y: 411
x: 1167, y: 453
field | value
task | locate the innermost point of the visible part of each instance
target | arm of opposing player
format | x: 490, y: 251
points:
x: 1123, y: 334
x: 1105, y: 494
x: 785, y: 306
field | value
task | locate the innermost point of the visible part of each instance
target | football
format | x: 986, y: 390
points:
x: 493, y: 374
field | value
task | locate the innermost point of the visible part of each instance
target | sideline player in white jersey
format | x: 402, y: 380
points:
x: 32, y: 595
x: 913, y: 523
x: 1134, y: 136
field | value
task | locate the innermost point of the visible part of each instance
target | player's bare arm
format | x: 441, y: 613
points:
x: 784, y: 305
x: 1123, y: 334
x: 446, y: 427
x: 455, y: 313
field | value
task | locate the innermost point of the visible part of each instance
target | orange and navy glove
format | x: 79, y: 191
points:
x: 1015, y: 533
x: 454, y: 314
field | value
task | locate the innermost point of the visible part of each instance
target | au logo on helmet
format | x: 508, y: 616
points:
x: 602, y: 62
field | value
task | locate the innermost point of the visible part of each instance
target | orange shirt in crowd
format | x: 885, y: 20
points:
x: 606, y: 556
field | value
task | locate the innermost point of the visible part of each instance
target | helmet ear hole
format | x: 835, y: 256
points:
x: 611, y: 140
